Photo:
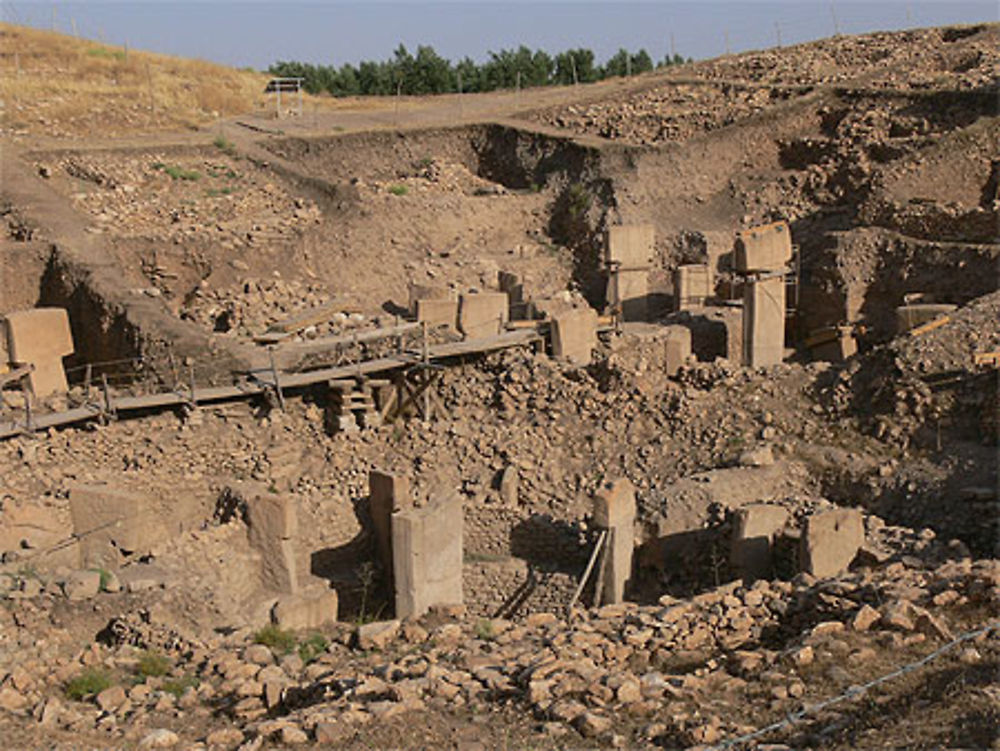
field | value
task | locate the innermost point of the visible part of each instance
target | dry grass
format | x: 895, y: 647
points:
x: 54, y: 84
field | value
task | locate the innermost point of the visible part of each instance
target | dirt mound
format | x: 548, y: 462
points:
x: 734, y: 88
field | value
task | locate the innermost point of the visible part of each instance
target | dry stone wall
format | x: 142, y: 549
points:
x: 510, y: 587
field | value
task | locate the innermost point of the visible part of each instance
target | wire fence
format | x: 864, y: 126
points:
x: 855, y: 691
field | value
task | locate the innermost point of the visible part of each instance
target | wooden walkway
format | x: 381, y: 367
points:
x: 257, y: 382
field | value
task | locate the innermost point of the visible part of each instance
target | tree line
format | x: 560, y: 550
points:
x: 426, y: 72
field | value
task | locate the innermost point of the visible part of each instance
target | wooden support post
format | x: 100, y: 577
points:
x: 194, y: 400
x: 27, y: 411
x: 173, y: 368
x: 109, y: 408
x: 274, y: 375
x: 426, y: 372
x: 586, y: 572
x: 88, y: 373
x: 602, y: 568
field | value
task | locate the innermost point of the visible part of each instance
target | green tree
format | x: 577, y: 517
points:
x: 431, y: 73
x: 576, y: 66
x: 345, y: 82
x: 641, y: 62
x: 543, y: 67
x: 618, y: 65
x: 375, y: 79
x: 470, y: 75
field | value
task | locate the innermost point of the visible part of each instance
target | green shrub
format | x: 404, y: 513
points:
x: 105, y: 52
x: 398, y: 190
x: 90, y: 682
x: 485, y: 630
x: 225, y: 145
x: 152, y: 664
x: 179, y: 173
x: 105, y: 579
x: 579, y: 200
x: 313, y: 647
x: 177, y: 686
x: 273, y: 637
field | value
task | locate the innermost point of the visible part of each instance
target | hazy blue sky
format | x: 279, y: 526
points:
x: 259, y: 33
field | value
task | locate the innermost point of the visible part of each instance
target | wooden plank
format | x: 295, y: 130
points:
x: 259, y: 380
x: 304, y: 320
x: 287, y: 354
x: 986, y: 358
x: 930, y: 326
x: 15, y: 375
x: 296, y: 380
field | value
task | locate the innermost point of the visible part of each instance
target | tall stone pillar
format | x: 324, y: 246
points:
x: 614, y: 510
x: 387, y: 494
x: 764, y: 321
x: 427, y: 555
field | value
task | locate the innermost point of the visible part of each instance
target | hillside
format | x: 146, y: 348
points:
x: 56, y: 85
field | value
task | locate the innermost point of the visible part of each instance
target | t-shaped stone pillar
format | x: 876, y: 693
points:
x: 614, y: 510
x: 40, y: 337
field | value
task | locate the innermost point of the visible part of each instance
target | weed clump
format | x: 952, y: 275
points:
x: 224, y: 145
x: 313, y: 646
x: 152, y: 665
x: 275, y: 638
x: 485, y: 629
x: 178, y: 173
x: 90, y: 682
x: 398, y: 190
x: 177, y: 686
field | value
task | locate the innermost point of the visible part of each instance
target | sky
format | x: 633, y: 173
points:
x: 258, y: 33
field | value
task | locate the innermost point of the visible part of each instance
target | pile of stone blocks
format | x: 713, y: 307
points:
x: 41, y: 338
x: 350, y: 406
x: 483, y: 314
x: 615, y: 511
x: 628, y: 255
x: 763, y: 249
x: 574, y: 336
